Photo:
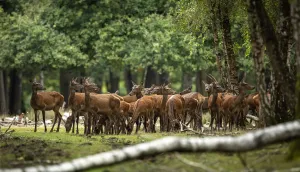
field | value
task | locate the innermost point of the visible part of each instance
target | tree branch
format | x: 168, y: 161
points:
x: 250, y: 141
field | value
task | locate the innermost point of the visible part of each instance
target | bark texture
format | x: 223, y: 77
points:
x: 284, y: 85
x: 15, y: 92
x: 228, y: 45
x: 258, y: 54
x: 3, y: 109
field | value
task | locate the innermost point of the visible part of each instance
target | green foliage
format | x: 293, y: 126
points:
x: 29, y: 44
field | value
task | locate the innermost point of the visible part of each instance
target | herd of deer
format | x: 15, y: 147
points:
x: 114, y: 114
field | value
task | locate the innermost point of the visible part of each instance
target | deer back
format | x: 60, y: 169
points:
x: 47, y: 100
x: 129, y: 98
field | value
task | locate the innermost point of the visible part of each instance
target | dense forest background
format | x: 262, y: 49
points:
x: 154, y: 41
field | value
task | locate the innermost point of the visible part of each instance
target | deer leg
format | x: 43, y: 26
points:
x: 54, y: 122
x: 161, y: 122
x: 35, y: 119
x: 77, y: 121
x: 44, y: 120
x: 138, y: 125
x: 89, y: 120
x: 212, y: 114
x: 73, y: 120
x: 151, y: 122
x: 59, y: 120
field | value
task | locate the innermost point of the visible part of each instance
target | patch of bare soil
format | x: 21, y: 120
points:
x: 20, y: 152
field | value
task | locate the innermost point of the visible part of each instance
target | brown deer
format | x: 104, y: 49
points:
x: 163, y: 92
x: 214, y: 103
x: 174, y: 111
x: 45, y: 101
x: 193, y: 103
x: 232, y: 105
x: 101, y: 104
x: 76, y: 104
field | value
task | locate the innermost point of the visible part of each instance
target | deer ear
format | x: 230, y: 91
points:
x: 204, y: 82
x: 133, y: 83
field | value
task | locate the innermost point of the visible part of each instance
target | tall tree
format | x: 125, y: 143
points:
x: 258, y: 56
x: 283, y: 99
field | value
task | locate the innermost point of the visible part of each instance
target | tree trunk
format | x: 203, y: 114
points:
x: 186, y: 80
x: 114, y: 81
x: 294, y: 152
x: 128, y: 78
x: 162, y: 78
x: 229, y: 48
x: 15, y: 92
x: 3, y: 103
x: 5, y: 80
x: 218, y: 53
x: 199, y: 84
x: 64, y: 79
x: 99, y: 81
x: 42, y: 78
x: 258, y: 54
x: 284, y: 80
x: 150, y: 77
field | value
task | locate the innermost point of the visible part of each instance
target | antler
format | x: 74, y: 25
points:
x: 212, y: 77
x: 133, y: 83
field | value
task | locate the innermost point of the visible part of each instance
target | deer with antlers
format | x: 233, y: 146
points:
x: 232, y: 106
x: 214, y: 103
x: 45, y: 101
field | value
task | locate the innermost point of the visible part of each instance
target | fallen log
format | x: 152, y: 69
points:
x: 249, y: 141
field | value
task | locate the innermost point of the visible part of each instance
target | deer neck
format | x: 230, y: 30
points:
x: 164, y: 100
x: 34, y: 94
x: 71, y: 96
x: 239, y: 98
x: 214, y: 98
x: 139, y: 95
x: 87, y: 98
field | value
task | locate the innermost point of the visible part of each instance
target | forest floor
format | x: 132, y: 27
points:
x: 23, y: 148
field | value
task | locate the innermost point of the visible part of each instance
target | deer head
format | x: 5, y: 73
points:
x: 91, y: 87
x: 37, y: 86
x: 243, y: 85
x: 74, y: 85
x: 147, y: 91
x: 217, y: 87
x: 207, y: 86
x: 163, y: 90
x: 68, y: 124
x: 136, y: 89
x: 187, y: 90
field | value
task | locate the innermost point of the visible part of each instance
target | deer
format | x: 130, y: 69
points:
x: 137, y: 91
x: 165, y: 117
x: 101, y: 104
x: 214, y: 103
x: 46, y: 101
x: 162, y: 94
x: 76, y: 104
x: 193, y: 103
x: 233, y: 105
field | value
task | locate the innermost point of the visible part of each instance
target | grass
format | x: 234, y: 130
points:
x: 25, y: 148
